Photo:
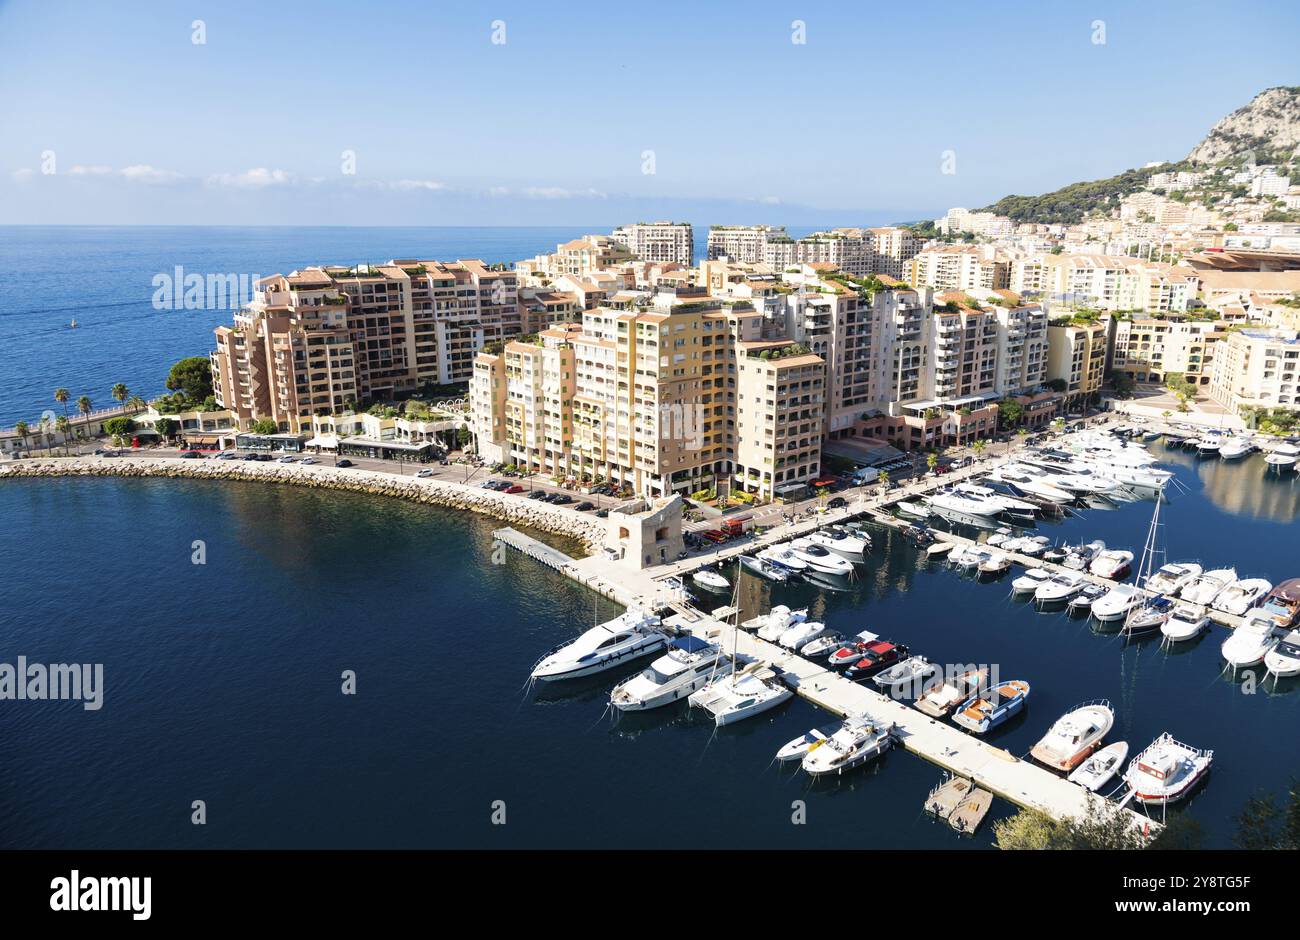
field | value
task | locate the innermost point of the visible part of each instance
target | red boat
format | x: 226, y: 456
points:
x: 878, y: 655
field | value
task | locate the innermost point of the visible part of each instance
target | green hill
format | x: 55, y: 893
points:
x: 1072, y: 203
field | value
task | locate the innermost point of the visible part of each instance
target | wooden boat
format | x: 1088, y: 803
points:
x: 987, y: 710
x: 939, y: 700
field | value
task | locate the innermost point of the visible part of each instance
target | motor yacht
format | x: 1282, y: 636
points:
x: 819, y: 558
x: 1032, y: 482
x: 800, y: 634
x: 1060, y: 587
x: 963, y: 505
x: 854, y: 744
x: 1149, y: 617
x: 1081, y: 557
x: 1074, y: 735
x: 1031, y: 545
x: 1116, y: 603
x: 1009, y: 504
x: 1241, y: 596
x: 1089, y: 594
x: 1283, y: 660
x: 1166, y: 771
x: 912, y: 509
x: 1187, y: 622
x: 995, y: 564
x: 1282, y: 604
x: 986, y: 710
x: 1094, y: 772
x: 799, y: 747
x: 907, y: 677
x: 971, y: 556
x: 776, y: 621
x: 1209, y: 445
x: 1030, y: 581
x: 689, y: 664
x: 765, y: 569
x: 744, y: 693
x: 939, y: 549
x: 824, y: 645
x: 1249, y: 643
x: 1282, y: 457
x: 782, y: 557
x: 1111, y: 563
x: 630, y: 635
x: 710, y: 579
x: 841, y: 543
x: 877, y: 657
x: 1171, y: 578
x: 941, y: 698
x: 1235, y: 449
x: 1207, y: 586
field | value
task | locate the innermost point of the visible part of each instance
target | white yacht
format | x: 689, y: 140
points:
x: 744, y: 693
x: 1249, y: 643
x: 906, y: 677
x: 819, y: 558
x: 1101, y: 766
x: 1060, y: 587
x: 800, y: 746
x: 1031, y: 545
x: 783, y: 558
x: 995, y: 564
x: 1080, y: 557
x: 1205, y: 588
x: 1209, y: 444
x: 1030, y: 581
x: 799, y: 635
x: 1033, y: 482
x: 689, y: 664
x: 912, y: 509
x: 1187, y: 622
x: 1282, y: 457
x: 776, y: 621
x: 965, y: 505
x: 630, y: 635
x: 1166, y: 771
x: 708, y: 578
x: 1088, y: 595
x: 825, y: 644
x: 1283, y: 660
x: 1241, y: 596
x: 1170, y: 578
x: 1235, y: 449
x: 857, y: 742
x: 1009, y: 504
x: 1116, y: 603
x: 852, y: 547
x: 968, y: 557
x: 1074, y: 735
x: 1111, y: 563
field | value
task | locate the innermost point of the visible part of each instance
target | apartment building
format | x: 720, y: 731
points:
x: 658, y: 241
x: 1119, y: 283
x: 892, y: 251
x: 1147, y: 349
x: 579, y: 258
x: 1076, y: 355
x: 1257, y: 368
x: 672, y: 395
x: 985, y: 224
x: 745, y: 244
x: 961, y: 268
x: 315, y: 340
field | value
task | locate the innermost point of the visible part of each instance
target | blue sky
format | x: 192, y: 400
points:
x: 145, y: 126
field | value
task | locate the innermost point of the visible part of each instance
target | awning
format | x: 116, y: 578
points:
x: 325, y: 440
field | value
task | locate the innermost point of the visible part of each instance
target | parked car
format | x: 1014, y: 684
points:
x: 309, y: 460
x: 191, y: 454
x: 344, y: 463
x: 561, y: 498
x: 426, y: 472
x: 250, y: 456
x: 488, y: 485
x: 602, y: 513
x: 585, y: 506
x: 837, y: 502
x: 513, y: 488
x: 537, y: 494
x: 288, y: 458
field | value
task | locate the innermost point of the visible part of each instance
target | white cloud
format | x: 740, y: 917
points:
x: 23, y: 175
x: 256, y: 178
x: 90, y: 171
x: 144, y: 173
x: 431, y: 185
x: 558, y: 192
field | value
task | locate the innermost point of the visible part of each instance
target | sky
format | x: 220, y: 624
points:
x: 502, y: 113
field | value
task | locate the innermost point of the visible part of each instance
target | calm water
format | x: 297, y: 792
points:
x: 222, y: 681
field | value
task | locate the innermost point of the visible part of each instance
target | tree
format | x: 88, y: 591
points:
x: 166, y: 428
x: 46, y: 430
x: 192, y: 377
x: 462, y: 437
x: 883, y: 478
x: 64, y: 427
x: 61, y: 395
x: 1262, y: 824
x: 1103, y: 826
x: 120, y: 392
x: 1010, y: 412
x: 931, y: 461
x: 135, y: 403
x: 120, y: 428
x: 85, y: 407
x: 1057, y: 385
x: 264, y: 426
x: 979, y: 447
x: 23, y: 432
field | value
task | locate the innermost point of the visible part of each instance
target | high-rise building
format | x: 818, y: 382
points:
x: 658, y: 241
x: 744, y: 244
x: 1257, y: 369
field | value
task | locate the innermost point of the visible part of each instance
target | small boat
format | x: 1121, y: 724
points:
x: 995, y: 564
x: 907, y: 677
x: 631, y: 635
x: 940, y: 699
x: 912, y: 509
x: 986, y: 710
x: 939, y: 549
x: 1081, y: 557
x: 824, y: 645
x: 1116, y: 603
x: 1209, y: 445
x: 1235, y: 449
x: 878, y: 656
x: 1093, y: 773
x: 1166, y: 771
x: 689, y: 664
x: 1205, y: 588
x: 1249, y: 643
x: 1187, y: 622
x: 1150, y: 436
x: 969, y: 557
x: 819, y: 558
x: 1282, y: 604
x: 1112, y: 563
x: 783, y: 558
x: 743, y: 694
x: 799, y: 747
x: 1074, y: 735
x: 764, y: 569
x: 73, y: 324
x: 1170, y: 578
x: 1030, y: 581
x: 776, y: 621
x: 710, y: 579
x: 1031, y: 545
x: 856, y: 743
x: 1241, y: 596
x: 799, y: 634
x: 1282, y: 457
x: 1059, y: 587
x: 1148, y: 618
x: 1089, y: 594
x: 1283, y: 660
x: 841, y: 542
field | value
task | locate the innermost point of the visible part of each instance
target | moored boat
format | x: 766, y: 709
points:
x: 1148, y: 618
x: 711, y: 580
x: 984, y: 711
x: 1116, y: 603
x: 938, y: 700
x: 1283, y: 660
x: 1187, y: 622
x: 1094, y: 772
x: 1170, y: 578
x: 1111, y: 563
x: 1059, y: 588
x: 1166, y: 771
x: 1282, y: 604
x: 1074, y: 735
x: 1241, y: 596
x: 776, y: 621
x: 1030, y: 581
x: 907, y: 677
x: 1088, y: 595
x: 856, y: 743
x: 630, y: 635
x: 1249, y: 643
x: 1204, y: 588
x: 764, y: 569
x: 744, y: 693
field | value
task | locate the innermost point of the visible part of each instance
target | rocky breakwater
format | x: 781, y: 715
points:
x: 511, y: 508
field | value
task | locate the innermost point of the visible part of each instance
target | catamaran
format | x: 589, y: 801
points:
x: 745, y: 691
x: 630, y: 635
x: 1074, y: 735
x: 1166, y: 771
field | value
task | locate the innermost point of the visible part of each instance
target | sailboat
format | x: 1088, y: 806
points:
x: 744, y: 692
x: 1150, y: 616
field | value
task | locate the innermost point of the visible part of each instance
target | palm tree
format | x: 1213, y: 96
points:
x: 85, y: 407
x: 64, y: 427
x: 978, y: 447
x: 61, y: 395
x: 931, y: 461
x: 120, y: 392
x: 23, y: 431
x: 135, y: 403
x: 46, y: 430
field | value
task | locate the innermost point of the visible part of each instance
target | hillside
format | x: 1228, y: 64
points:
x: 1269, y: 126
x: 1071, y: 203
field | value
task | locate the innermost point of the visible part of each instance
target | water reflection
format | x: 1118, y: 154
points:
x: 1244, y: 487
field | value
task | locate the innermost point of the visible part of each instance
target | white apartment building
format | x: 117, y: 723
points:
x: 745, y: 244
x: 985, y: 224
x: 659, y: 241
x: 1257, y: 368
x: 961, y: 268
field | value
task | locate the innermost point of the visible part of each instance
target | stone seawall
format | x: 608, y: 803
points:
x: 515, y: 509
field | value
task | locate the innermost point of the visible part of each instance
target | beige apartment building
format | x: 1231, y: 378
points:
x: 1257, y: 368
x: 1147, y: 349
x: 658, y: 241
x: 743, y: 244
x: 1077, y: 357
x: 578, y: 258
x: 676, y: 394
x: 961, y: 268
x: 1120, y: 283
